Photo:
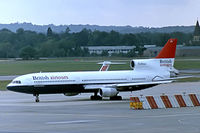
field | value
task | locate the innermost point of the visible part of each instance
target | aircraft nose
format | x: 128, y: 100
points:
x: 10, y: 87
x: 22, y: 89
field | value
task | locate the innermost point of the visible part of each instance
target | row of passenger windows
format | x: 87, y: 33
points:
x: 101, y: 79
x: 19, y: 82
x: 89, y: 80
x: 50, y: 81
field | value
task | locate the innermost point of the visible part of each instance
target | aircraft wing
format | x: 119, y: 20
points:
x: 181, y: 77
x: 143, y: 83
x: 165, y: 81
x: 134, y: 84
x: 99, y: 86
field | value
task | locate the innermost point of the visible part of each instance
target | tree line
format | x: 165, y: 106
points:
x: 29, y: 44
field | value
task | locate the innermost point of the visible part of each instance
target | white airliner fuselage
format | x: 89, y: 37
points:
x: 65, y: 80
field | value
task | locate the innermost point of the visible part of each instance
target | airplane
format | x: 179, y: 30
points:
x: 106, y: 64
x: 145, y: 73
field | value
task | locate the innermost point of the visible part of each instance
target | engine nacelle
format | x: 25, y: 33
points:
x: 108, y: 92
x: 145, y: 64
x: 149, y: 64
x: 71, y: 94
x: 132, y: 64
x: 140, y: 63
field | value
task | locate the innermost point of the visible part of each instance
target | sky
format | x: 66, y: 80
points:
x: 147, y: 13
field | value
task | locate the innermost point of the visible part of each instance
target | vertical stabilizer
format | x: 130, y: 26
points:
x: 169, y: 50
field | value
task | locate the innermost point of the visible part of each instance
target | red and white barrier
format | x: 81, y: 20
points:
x: 164, y: 101
x: 194, y: 99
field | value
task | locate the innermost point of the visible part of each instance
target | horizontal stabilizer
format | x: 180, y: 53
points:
x: 106, y: 65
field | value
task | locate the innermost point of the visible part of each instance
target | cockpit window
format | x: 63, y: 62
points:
x: 16, y: 82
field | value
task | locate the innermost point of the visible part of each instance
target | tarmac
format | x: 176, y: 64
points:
x: 57, y: 113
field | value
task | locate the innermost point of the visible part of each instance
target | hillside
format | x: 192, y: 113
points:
x: 77, y: 28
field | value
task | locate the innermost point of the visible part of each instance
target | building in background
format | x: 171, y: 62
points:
x: 110, y: 49
x: 181, y: 51
x: 196, y: 35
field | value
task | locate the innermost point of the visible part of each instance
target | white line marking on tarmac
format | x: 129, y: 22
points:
x: 180, y: 121
x: 110, y: 116
x: 172, y: 115
x: 71, y: 122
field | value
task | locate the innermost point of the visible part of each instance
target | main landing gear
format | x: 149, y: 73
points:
x: 36, y: 98
x: 116, y: 98
x: 95, y: 97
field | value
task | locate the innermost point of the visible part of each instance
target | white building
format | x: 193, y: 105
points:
x: 109, y: 49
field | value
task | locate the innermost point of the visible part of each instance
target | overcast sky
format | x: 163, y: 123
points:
x: 148, y: 13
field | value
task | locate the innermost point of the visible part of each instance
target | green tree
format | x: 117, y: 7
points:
x: 82, y: 38
x: 98, y: 38
x: 46, y: 49
x: 49, y: 32
x: 131, y: 53
x: 67, y: 30
x: 20, y: 31
x: 104, y: 53
x: 139, y: 50
x: 27, y: 53
x: 113, y: 38
x: 129, y: 39
x: 6, y: 50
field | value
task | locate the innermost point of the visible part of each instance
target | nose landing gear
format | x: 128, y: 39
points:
x: 36, y: 98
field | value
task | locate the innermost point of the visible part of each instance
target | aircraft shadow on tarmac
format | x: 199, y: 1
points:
x: 78, y: 100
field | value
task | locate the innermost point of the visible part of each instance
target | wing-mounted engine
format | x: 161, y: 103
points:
x: 108, y: 92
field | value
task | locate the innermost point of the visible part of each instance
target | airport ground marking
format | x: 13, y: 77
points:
x: 71, y: 122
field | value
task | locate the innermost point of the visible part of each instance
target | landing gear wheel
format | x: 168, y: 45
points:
x: 116, y: 98
x: 96, y: 97
x: 37, y: 98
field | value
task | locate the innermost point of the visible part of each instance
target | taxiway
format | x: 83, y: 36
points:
x: 58, y: 113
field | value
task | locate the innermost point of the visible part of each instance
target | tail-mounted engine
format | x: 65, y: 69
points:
x: 149, y: 64
x: 140, y: 64
x: 132, y: 64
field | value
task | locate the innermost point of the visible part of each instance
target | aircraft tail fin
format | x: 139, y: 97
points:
x: 169, y: 50
x: 105, y: 65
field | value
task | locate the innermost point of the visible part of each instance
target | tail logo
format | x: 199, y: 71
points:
x: 104, y: 68
x: 166, y: 62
